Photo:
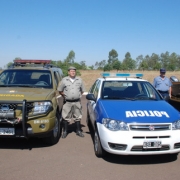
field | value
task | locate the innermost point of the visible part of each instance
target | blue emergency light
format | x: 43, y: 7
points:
x: 107, y: 74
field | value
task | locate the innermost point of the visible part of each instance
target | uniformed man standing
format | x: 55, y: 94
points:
x: 71, y: 88
x: 163, y: 84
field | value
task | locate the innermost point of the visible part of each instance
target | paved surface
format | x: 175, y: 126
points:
x: 73, y: 158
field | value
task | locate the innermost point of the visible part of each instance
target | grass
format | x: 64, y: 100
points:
x: 89, y: 76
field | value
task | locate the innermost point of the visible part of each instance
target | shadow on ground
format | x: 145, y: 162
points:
x: 22, y: 143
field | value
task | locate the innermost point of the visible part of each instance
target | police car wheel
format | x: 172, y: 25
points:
x: 88, y: 119
x: 98, y: 149
x: 55, y: 133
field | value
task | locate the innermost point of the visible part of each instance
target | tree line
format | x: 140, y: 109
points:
x: 154, y: 62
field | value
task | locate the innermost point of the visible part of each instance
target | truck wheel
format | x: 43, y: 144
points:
x: 98, y: 149
x: 55, y: 133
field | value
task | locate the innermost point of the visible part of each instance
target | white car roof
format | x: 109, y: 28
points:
x: 121, y: 79
x: 107, y: 76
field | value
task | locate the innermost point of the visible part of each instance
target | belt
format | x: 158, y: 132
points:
x: 72, y: 100
x: 163, y: 91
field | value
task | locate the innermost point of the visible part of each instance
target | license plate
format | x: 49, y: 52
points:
x: 152, y: 144
x: 7, y: 131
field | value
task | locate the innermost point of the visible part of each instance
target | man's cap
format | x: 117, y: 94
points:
x: 71, y: 68
x: 162, y: 70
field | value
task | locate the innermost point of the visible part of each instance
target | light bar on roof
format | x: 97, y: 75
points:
x: 29, y: 61
x: 107, y: 74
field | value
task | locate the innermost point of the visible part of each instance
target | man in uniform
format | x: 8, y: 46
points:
x: 163, y: 84
x: 71, y: 88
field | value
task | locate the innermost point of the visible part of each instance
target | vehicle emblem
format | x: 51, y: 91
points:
x: 151, y: 128
x: 4, y: 107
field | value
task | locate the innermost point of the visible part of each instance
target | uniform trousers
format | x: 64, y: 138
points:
x: 72, y: 110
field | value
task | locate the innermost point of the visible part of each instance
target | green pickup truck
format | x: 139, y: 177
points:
x: 30, y: 105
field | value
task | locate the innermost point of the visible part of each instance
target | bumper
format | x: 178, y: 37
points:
x: 131, y: 142
x: 28, y: 127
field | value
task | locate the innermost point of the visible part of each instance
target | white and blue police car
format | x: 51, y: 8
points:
x: 130, y: 117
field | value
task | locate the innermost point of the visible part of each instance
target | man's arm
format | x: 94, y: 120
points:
x: 154, y: 82
x: 61, y: 88
x: 170, y: 90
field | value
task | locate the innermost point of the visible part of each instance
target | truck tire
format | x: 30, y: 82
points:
x: 55, y: 133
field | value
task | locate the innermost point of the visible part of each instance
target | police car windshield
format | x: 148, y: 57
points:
x: 129, y: 90
x: 26, y: 78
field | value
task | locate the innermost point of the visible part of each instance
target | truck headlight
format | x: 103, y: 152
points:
x: 42, y: 107
x: 115, y: 125
x: 176, y: 125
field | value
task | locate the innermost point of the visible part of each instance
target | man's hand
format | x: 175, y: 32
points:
x: 62, y: 94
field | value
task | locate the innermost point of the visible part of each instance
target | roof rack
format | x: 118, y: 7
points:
x: 108, y: 74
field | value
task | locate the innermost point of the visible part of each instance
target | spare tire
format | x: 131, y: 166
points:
x: 174, y: 79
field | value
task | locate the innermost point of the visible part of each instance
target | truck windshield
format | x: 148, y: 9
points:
x: 26, y: 78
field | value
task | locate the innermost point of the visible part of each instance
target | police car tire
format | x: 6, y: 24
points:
x: 54, y: 136
x: 88, y: 119
x: 98, y: 149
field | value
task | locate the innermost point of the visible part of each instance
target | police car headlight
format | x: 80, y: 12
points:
x: 42, y: 107
x: 176, y: 125
x: 114, y: 125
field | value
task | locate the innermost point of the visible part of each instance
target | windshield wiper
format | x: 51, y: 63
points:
x: 23, y: 85
x: 144, y: 98
x: 115, y: 97
x: 4, y: 85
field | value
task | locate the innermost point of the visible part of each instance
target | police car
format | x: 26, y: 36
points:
x: 130, y: 117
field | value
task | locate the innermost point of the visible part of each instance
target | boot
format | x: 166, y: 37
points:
x: 65, y: 127
x: 78, y: 129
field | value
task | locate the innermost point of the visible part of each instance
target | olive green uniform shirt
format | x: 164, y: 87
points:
x: 71, y: 90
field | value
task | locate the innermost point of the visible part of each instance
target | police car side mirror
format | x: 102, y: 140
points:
x: 166, y: 98
x: 90, y: 97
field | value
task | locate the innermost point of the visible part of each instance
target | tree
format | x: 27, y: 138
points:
x: 70, y: 58
x: 116, y: 65
x: 107, y: 67
x: 9, y: 64
x: 17, y: 58
x: 128, y: 62
x: 91, y: 67
x: 139, y: 61
x: 102, y: 64
x: 173, y: 62
x: 153, y: 61
x: 112, y: 56
x: 143, y: 65
x: 83, y: 64
x: 164, y: 59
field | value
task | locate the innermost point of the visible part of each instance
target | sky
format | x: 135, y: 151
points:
x: 50, y: 29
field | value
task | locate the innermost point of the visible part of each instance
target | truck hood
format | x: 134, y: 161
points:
x: 31, y: 94
x: 138, y: 111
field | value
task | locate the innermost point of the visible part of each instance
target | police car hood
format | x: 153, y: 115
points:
x: 19, y: 93
x: 137, y: 111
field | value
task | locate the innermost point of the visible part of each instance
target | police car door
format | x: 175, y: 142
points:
x: 93, y: 103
